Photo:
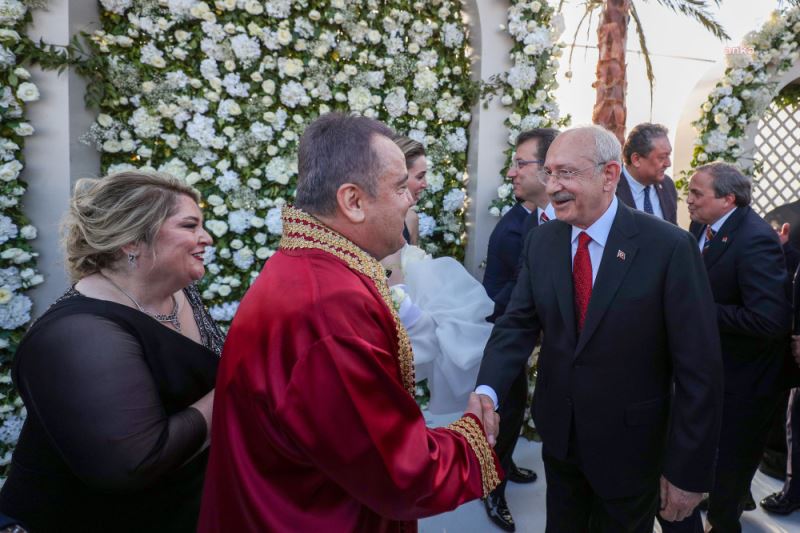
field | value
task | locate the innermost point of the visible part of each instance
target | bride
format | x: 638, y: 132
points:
x: 441, y: 305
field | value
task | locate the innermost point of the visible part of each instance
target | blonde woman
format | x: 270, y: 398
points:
x: 417, y: 165
x: 118, y: 375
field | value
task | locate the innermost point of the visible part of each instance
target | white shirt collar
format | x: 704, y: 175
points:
x: 602, y: 226
x: 548, y: 210
x: 636, y: 187
x: 525, y: 208
x: 718, y: 224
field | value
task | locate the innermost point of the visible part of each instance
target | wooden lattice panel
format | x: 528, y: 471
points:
x: 778, y: 150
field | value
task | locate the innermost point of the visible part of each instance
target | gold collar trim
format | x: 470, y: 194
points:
x: 303, y: 231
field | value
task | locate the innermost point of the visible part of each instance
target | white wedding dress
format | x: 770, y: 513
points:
x: 450, y: 331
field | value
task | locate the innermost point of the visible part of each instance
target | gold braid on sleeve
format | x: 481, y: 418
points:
x: 470, y: 430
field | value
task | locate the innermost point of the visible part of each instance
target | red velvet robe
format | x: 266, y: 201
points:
x: 315, y: 427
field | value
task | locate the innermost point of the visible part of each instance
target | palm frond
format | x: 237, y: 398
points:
x: 645, y: 52
x: 698, y: 10
x: 590, y: 7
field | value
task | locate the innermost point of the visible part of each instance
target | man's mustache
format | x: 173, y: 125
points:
x: 562, y: 196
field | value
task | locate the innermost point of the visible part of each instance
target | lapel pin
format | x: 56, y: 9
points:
x: 724, y: 239
x: 620, y: 255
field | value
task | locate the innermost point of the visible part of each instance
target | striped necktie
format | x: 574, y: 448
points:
x: 543, y: 218
x: 709, y: 236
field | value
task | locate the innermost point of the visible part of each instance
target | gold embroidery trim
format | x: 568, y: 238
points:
x: 303, y: 231
x: 470, y: 430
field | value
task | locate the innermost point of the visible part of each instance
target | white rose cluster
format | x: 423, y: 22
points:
x: 747, y: 88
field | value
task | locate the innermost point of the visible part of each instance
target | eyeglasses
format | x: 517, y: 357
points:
x: 564, y: 176
x: 517, y: 164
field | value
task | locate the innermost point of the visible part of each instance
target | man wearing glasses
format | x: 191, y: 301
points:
x: 625, y: 309
x: 502, y: 267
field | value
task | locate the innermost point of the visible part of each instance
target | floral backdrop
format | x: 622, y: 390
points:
x: 527, y: 89
x: 746, y: 90
x: 218, y: 93
x: 17, y: 258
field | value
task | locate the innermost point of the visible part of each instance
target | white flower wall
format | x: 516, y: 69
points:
x: 218, y: 94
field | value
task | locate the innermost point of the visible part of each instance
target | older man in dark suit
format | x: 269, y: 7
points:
x: 626, y: 311
x: 644, y: 184
x: 505, y: 247
x: 747, y: 271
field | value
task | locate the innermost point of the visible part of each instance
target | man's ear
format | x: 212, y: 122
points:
x: 635, y: 159
x: 350, y: 199
x: 611, y: 174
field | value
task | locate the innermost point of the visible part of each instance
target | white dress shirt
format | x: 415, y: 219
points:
x: 599, y: 233
x: 637, y: 190
x: 714, y: 227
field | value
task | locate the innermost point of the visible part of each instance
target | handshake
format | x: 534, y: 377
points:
x: 483, y: 407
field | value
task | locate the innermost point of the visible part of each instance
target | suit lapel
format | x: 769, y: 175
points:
x: 720, y: 242
x: 562, y: 275
x: 665, y: 200
x: 624, y: 192
x: 618, y: 256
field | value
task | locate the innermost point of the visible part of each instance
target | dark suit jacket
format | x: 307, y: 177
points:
x: 502, y: 257
x: 650, y: 323
x: 747, y: 271
x: 667, y: 197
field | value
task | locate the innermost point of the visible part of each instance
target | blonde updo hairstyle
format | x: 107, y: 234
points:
x: 412, y: 150
x: 107, y: 213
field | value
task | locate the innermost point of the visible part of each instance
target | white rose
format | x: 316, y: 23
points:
x: 253, y: 7
x: 224, y: 290
x: 111, y: 146
x: 28, y: 232
x: 217, y: 227
x: 127, y: 145
x: 27, y: 92
x: 21, y: 73
x: 263, y: 253
x: 23, y: 129
x: 192, y: 178
x: 104, y: 120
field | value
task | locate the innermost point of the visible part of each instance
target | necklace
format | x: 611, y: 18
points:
x: 171, y: 318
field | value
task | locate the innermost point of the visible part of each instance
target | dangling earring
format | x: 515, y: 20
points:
x: 132, y: 260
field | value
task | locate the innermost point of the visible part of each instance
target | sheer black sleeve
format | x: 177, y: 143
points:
x: 83, y: 377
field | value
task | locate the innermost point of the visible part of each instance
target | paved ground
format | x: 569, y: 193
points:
x: 527, y: 502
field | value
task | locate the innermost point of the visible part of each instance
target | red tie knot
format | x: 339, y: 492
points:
x: 584, y: 240
x: 544, y: 218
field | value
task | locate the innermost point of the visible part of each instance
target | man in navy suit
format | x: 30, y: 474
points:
x: 747, y: 271
x: 644, y: 184
x: 629, y: 390
x: 502, y: 263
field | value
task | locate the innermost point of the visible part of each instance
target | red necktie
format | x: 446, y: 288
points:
x: 582, y: 278
x: 709, y: 236
x: 544, y: 218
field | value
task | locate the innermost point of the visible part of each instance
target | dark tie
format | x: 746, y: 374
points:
x: 648, y: 207
x: 709, y: 235
x: 543, y: 218
x: 582, y: 278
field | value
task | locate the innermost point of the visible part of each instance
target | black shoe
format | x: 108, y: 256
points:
x: 778, y: 504
x: 497, y: 509
x: 521, y: 475
x: 748, y: 504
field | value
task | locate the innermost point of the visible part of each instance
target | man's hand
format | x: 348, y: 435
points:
x: 796, y: 348
x: 677, y: 504
x: 482, y: 406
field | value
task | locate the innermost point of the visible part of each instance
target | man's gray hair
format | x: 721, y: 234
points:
x: 336, y: 149
x: 727, y: 179
x: 606, y: 144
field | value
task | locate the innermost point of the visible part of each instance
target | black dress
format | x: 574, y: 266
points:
x: 110, y: 442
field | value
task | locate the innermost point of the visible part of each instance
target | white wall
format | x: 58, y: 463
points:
x: 54, y: 156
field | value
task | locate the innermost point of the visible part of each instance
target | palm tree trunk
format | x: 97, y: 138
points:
x: 611, y: 84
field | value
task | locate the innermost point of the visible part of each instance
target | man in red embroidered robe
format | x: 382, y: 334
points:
x: 315, y: 427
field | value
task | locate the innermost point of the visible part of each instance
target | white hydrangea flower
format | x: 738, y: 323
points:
x: 144, y: 124
x: 280, y: 9
x: 16, y: 312
x: 435, y: 182
x: 174, y: 167
x: 8, y: 230
x: 294, y: 94
x: 279, y: 170
x: 396, y: 103
x: 273, y: 221
x: 245, y: 48
x: 239, y: 220
x: 151, y: 55
x: 244, y: 258
x: 457, y: 140
x: 452, y: 36
x: 426, y: 80
x: 224, y: 312
x: 227, y: 181
x: 427, y: 224
x: 290, y: 67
